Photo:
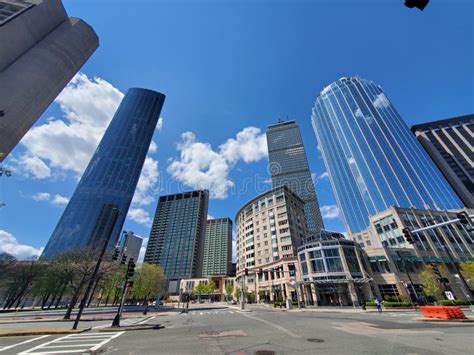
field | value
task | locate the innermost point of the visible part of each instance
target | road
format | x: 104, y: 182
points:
x: 218, y: 330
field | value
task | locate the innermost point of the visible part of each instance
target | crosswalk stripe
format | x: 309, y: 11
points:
x: 23, y: 342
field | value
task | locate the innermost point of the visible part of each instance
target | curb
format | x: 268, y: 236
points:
x: 43, y: 332
x: 131, y: 328
x: 441, y: 320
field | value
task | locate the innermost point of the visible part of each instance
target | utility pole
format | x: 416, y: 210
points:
x: 128, y: 274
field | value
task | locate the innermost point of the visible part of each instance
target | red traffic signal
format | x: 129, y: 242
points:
x: 260, y: 272
x: 246, y: 272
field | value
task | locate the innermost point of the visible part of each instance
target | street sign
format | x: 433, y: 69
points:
x: 449, y: 295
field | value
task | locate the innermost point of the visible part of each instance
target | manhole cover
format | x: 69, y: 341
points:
x: 264, y: 352
x: 314, y: 340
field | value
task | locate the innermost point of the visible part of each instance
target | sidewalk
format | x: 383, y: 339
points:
x: 84, y: 318
x: 321, y: 309
x: 60, y: 329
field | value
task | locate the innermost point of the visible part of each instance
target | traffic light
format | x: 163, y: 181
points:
x: 435, y: 269
x: 408, y: 236
x: 131, y: 268
x: 419, y: 4
x: 246, y: 272
x: 462, y: 218
x: 124, y: 259
x: 260, y: 272
x: 116, y: 254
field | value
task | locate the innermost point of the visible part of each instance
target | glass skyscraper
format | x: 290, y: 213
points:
x: 177, y: 236
x: 372, y: 158
x: 288, y: 166
x: 112, y: 174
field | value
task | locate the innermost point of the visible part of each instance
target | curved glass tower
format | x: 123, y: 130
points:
x: 372, y: 158
x: 111, y: 177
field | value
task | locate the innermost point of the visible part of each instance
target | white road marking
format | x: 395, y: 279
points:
x: 146, y: 320
x: 290, y: 333
x: 106, y: 341
x: 93, y: 342
x: 23, y: 342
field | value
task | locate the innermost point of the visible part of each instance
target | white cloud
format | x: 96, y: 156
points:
x: 68, y: 144
x: 10, y: 245
x: 249, y: 145
x: 210, y: 217
x: 59, y: 200
x: 330, y: 212
x: 41, y: 196
x: 147, y: 183
x: 201, y: 167
x: 139, y: 215
x: 31, y: 165
x: 153, y: 147
x: 381, y: 101
x: 141, y: 256
x: 324, y: 175
x: 159, y: 124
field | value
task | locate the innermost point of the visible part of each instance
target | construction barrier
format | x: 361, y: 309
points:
x: 443, y: 312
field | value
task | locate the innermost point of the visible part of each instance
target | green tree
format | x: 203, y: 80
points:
x: 237, y: 292
x: 110, y: 281
x: 467, y: 270
x: 200, y: 289
x: 19, y: 280
x: 148, y: 281
x: 431, y: 286
x: 229, y: 290
x: 210, y: 288
x: 76, y: 268
x: 49, y: 286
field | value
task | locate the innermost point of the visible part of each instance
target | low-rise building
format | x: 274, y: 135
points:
x: 396, y: 265
x: 334, y: 271
x: 220, y: 293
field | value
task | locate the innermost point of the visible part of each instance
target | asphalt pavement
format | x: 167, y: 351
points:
x: 210, y: 329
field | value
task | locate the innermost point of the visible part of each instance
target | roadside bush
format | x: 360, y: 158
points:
x: 397, y: 304
x: 454, y: 303
x: 390, y: 304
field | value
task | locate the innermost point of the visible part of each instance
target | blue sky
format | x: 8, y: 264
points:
x: 226, y: 66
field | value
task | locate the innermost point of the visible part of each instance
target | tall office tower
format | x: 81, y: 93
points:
x: 41, y: 50
x: 177, y: 236
x: 289, y: 166
x: 217, y: 257
x: 372, y: 158
x: 129, y: 245
x: 112, y: 174
x: 450, y: 144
